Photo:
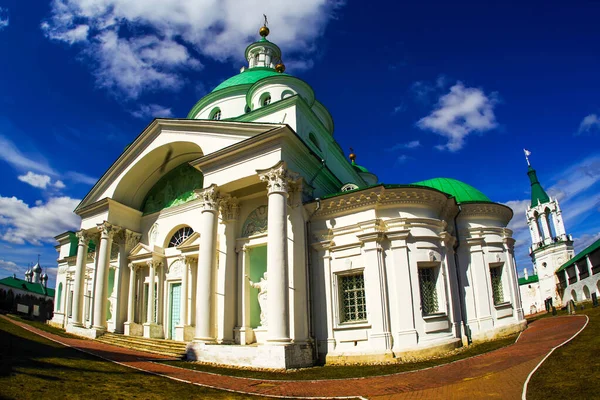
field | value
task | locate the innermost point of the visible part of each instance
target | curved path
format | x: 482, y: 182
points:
x: 499, y: 374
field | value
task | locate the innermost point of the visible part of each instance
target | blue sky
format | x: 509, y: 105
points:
x: 452, y: 89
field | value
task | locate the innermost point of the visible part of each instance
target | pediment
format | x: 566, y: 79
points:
x: 164, y: 145
x: 143, y: 251
x: 191, y: 243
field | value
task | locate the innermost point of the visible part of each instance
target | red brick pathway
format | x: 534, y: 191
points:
x: 498, y: 374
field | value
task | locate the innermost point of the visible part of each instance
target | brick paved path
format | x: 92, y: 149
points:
x: 498, y: 374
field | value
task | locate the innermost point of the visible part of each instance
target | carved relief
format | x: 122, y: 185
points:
x: 229, y: 207
x: 278, y: 178
x: 209, y: 197
x: 256, y: 222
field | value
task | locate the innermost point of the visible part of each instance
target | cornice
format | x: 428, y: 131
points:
x: 379, y: 196
x: 486, y: 210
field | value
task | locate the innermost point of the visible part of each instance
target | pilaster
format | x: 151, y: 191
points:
x: 229, y: 208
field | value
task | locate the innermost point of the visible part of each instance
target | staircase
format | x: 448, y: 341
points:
x: 170, y: 348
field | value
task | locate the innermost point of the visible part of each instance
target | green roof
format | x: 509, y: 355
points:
x: 538, y: 194
x: 530, y: 279
x: 249, y: 77
x: 462, y: 192
x: 36, y: 288
x: 588, y: 250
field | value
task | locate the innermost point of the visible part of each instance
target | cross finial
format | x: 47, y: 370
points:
x: 38, y: 258
x: 266, y: 21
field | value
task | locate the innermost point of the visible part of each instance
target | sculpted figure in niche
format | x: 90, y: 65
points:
x: 262, y: 297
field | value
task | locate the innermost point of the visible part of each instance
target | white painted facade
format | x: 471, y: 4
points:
x: 371, y: 274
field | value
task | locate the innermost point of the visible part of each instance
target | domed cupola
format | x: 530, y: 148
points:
x: 264, y: 53
x: 37, y: 271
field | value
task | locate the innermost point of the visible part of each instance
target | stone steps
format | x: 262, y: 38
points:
x: 170, y: 348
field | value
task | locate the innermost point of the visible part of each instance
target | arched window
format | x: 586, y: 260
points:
x: 180, y: 236
x: 314, y: 140
x: 59, y: 297
x: 247, y: 109
x: 215, y: 114
x: 265, y: 99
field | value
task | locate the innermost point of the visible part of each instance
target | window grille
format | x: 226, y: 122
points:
x: 266, y: 101
x: 497, y: 290
x: 429, y: 297
x: 352, y: 293
x: 180, y: 236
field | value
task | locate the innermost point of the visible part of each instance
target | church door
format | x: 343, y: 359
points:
x: 175, y: 307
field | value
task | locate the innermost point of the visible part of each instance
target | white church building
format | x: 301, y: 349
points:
x: 245, y: 231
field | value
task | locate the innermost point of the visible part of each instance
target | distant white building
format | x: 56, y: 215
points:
x: 253, y: 185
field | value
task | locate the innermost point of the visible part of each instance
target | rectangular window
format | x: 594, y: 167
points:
x: 429, y: 295
x: 497, y: 290
x: 352, y: 295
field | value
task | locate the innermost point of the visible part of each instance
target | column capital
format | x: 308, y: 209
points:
x: 188, y: 259
x: 230, y: 208
x: 209, y: 197
x: 154, y: 263
x: 277, y: 177
x: 133, y: 266
x: 107, y: 230
x: 448, y: 239
x: 83, y: 237
x: 127, y: 239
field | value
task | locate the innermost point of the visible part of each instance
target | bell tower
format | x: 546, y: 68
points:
x: 550, y: 247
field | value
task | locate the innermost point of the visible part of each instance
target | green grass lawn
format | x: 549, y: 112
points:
x: 350, y: 371
x: 32, y: 367
x: 572, y: 371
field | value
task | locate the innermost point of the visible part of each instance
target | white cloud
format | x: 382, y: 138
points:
x: 152, y: 110
x: 589, y: 123
x: 462, y: 111
x: 40, y: 181
x: 176, y: 33
x: 12, y: 155
x: 399, y: 108
x: 21, y: 223
x: 4, y: 19
x: 585, y: 240
x: 10, y: 267
x: 413, y: 144
x: 78, y: 177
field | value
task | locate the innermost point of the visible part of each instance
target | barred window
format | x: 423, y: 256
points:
x: 497, y: 290
x: 352, y: 294
x: 429, y: 297
x: 180, y: 236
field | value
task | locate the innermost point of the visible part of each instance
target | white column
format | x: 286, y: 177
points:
x: 377, y: 300
x: 126, y: 240
x: 325, y: 247
x: 451, y: 284
x: 206, y: 264
x: 511, y: 269
x: 150, y: 316
x: 401, y: 278
x: 229, y: 213
x: 185, y: 261
x: 243, y: 287
x: 79, y: 290
x: 107, y: 232
x: 278, y: 327
x: 131, y: 296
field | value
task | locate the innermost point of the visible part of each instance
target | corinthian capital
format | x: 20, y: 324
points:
x: 230, y: 208
x: 278, y: 178
x: 210, y: 198
x: 83, y: 236
x: 107, y: 230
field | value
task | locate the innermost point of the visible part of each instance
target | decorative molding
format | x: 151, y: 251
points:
x: 83, y: 237
x: 209, y: 197
x: 107, y: 230
x: 230, y: 208
x: 278, y: 178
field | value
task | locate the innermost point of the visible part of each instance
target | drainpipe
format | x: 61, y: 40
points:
x: 463, y: 312
x: 308, y: 276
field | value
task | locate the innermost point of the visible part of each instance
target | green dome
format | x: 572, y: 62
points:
x: 248, y: 77
x: 462, y: 192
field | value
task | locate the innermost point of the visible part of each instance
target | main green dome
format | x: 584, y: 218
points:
x: 249, y: 77
x: 462, y: 192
